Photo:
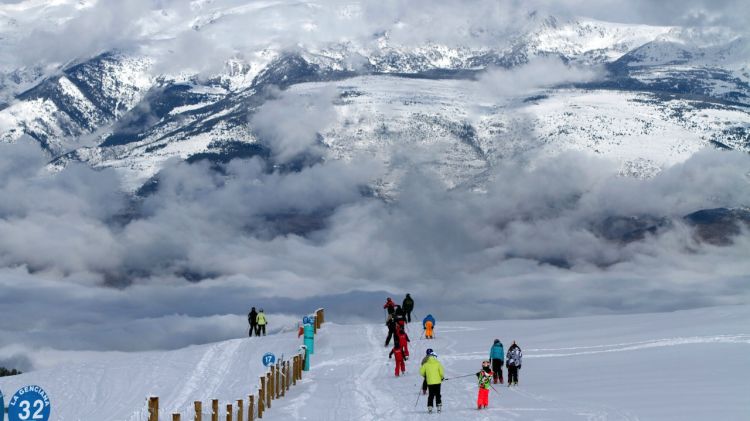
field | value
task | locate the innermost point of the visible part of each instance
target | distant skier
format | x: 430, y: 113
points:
x: 408, y: 306
x: 497, y: 353
x: 484, y: 376
x: 260, y: 319
x: 428, y: 324
x: 403, y: 340
x: 434, y: 373
x: 391, y: 329
x: 252, y: 319
x: 400, y: 317
x: 398, y: 352
x: 513, y: 362
x: 390, y: 306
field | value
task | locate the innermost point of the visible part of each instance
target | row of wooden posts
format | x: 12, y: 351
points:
x: 273, y: 385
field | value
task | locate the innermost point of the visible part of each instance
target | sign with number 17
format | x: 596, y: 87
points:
x: 30, y: 403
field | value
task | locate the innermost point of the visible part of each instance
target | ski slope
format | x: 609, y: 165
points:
x: 667, y: 366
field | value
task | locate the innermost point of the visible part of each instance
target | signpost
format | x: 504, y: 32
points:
x: 30, y: 403
x: 269, y: 359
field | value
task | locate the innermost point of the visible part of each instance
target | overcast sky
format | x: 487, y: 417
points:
x: 84, y: 266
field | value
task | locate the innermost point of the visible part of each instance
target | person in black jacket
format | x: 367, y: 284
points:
x: 400, y: 317
x: 391, y: 323
x: 408, y: 306
x: 252, y: 318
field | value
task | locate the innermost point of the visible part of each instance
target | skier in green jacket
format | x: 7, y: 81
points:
x: 434, y: 373
x: 261, y: 321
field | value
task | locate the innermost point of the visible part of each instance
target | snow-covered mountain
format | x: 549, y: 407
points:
x: 662, y: 93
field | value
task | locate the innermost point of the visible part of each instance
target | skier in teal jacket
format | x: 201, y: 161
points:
x: 496, y: 357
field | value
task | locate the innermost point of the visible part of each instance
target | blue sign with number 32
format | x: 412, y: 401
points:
x: 30, y: 403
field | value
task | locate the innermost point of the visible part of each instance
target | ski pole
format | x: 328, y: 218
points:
x: 459, y: 377
x: 418, y: 394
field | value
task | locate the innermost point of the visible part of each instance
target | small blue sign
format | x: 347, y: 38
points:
x: 29, y: 403
x: 2, y: 406
x: 269, y: 359
x: 307, y: 320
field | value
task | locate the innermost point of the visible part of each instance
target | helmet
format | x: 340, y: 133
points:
x: 497, y: 341
x: 430, y: 351
x: 261, y: 310
x: 485, y: 363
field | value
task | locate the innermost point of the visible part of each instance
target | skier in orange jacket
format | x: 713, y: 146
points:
x: 428, y: 324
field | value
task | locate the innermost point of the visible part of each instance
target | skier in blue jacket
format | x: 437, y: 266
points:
x: 496, y: 357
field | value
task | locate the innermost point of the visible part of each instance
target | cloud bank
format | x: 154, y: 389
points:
x: 83, y: 266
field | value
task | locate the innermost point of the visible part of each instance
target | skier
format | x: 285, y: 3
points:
x: 408, y: 307
x: 433, y: 373
x: 390, y: 306
x: 484, y: 376
x: 399, y: 353
x: 403, y: 340
x: 251, y: 318
x: 424, y: 381
x: 428, y: 324
x: 261, y: 321
x: 391, y: 329
x: 400, y: 317
x: 513, y: 362
x: 496, y: 357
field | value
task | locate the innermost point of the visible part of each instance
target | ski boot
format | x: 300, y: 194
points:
x: 440, y: 408
x: 429, y: 410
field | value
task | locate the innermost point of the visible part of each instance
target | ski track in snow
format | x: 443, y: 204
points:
x: 619, y: 347
x: 199, y: 377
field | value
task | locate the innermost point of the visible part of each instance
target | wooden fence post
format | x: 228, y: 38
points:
x: 294, y: 369
x: 277, y: 380
x: 215, y: 410
x: 250, y: 407
x: 262, y: 397
x: 175, y: 417
x: 283, y: 379
x: 153, y: 409
x: 229, y: 412
x: 198, y: 411
x: 288, y: 377
x: 240, y: 410
x: 269, y: 392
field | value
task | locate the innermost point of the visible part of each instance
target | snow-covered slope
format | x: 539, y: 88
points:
x: 666, y: 366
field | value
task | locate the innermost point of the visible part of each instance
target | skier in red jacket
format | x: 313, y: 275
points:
x: 399, y: 353
x: 403, y: 340
x: 390, y: 306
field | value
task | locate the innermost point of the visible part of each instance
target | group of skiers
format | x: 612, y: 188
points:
x: 257, y: 320
x: 492, y: 370
x: 432, y: 371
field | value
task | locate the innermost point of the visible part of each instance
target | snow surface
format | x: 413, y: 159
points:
x: 665, y: 366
